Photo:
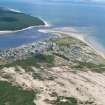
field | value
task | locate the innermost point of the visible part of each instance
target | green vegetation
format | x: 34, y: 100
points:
x: 77, y: 53
x: 10, y: 20
x: 3, y: 61
x: 61, y: 100
x: 36, y: 60
x: 14, y: 95
x: 65, y: 101
x: 67, y: 41
x: 93, y: 67
x: 62, y: 56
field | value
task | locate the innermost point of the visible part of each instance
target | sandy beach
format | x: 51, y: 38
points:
x: 14, y: 10
x: 30, y: 27
x: 8, y: 32
x: 84, y: 86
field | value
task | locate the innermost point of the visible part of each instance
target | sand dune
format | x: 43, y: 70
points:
x: 85, y: 86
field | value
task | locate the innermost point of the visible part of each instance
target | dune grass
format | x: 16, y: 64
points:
x: 14, y: 95
x: 35, y: 60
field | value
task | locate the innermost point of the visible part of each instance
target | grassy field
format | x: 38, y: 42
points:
x: 88, y: 65
x: 16, y: 21
x: 67, y: 41
x: 14, y: 95
x: 36, y: 60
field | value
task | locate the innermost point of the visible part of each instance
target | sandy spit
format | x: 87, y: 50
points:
x: 69, y: 31
x: 9, y: 32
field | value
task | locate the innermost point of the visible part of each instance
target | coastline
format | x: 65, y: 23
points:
x: 30, y: 27
x: 45, y: 22
x: 69, y: 31
x: 14, y: 10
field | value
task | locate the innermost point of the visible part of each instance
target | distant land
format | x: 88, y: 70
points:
x: 11, y: 20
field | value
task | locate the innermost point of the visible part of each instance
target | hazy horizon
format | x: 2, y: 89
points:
x: 33, y: 1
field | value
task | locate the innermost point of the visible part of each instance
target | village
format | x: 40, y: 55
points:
x: 25, y: 50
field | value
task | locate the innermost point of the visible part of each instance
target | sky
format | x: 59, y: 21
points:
x: 57, y: 1
x: 66, y: 0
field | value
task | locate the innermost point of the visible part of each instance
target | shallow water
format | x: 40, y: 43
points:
x: 88, y: 18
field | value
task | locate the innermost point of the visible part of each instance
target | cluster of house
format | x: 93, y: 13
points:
x: 25, y: 50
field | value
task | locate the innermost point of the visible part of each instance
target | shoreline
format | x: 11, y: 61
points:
x: 69, y: 31
x: 30, y: 27
x: 14, y: 10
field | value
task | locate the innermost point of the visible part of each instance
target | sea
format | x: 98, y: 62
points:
x: 88, y: 18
